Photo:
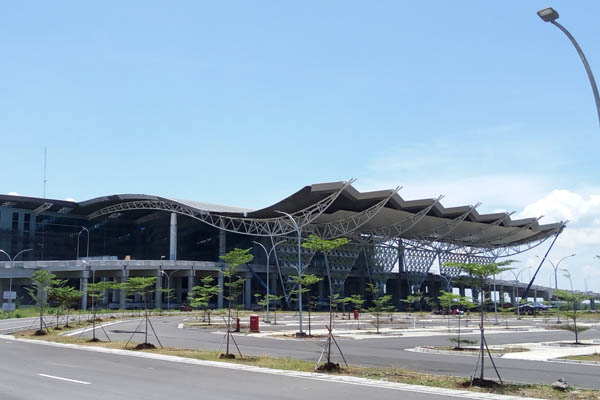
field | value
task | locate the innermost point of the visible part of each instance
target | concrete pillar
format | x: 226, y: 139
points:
x: 158, y: 290
x: 321, y: 286
x: 461, y: 290
x: 592, y: 304
x: 105, y: 299
x: 191, y: 282
x: 222, y: 251
x: 123, y: 292
x: 273, y: 286
x: 534, y: 294
x: 178, y: 289
x: 475, y: 294
x: 173, y: 238
x: 83, y: 281
x: 221, y: 288
x: 115, y: 294
x: 248, y: 291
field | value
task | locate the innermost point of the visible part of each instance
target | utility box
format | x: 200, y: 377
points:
x: 355, y: 314
x: 254, y: 323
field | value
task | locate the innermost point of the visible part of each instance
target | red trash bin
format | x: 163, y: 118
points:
x: 254, y: 323
x: 355, y: 314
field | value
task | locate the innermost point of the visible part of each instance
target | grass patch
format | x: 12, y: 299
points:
x: 470, y: 349
x: 384, y: 374
x: 589, y: 357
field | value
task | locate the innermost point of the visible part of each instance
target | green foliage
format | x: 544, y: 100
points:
x: 305, y: 281
x: 477, y: 274
x: 381, y: 303
x: 357, y: 301
x: 41, y: 283
x: 237, y: 257
x: 448, y: 300
x: 316, y: 244
x: 575, y: 299
x: 200, y: 296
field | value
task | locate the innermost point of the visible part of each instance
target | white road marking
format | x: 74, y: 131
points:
x: 64, y: 379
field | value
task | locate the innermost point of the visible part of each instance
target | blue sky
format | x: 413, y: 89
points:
x: 243, y: 103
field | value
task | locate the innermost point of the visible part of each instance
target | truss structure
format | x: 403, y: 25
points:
x: 346, y: 226
x: 279, y: 226
x: 402, y: 234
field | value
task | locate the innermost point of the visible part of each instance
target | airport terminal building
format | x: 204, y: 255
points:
x: 393, y: 242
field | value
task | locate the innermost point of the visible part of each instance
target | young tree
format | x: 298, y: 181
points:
x: 381, y: 303
x: 274, y: 300
x: 142, y: 286
x: 448, y: 300
x: 66, y: 297
x: 97, y: 290
x: 233, y: 259
x: 304, y: 283
x: 41, y: 281
x: 316, y: 244
x: 476, y: 277
x: 200, y: 296
x: 574, y: 300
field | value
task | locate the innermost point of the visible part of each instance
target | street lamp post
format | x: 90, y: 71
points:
x: 168, y: 286
x: 12, y: 268
x: 516, y: 275
x: 448, y: 281
x: 268, y: 255
x: 551, y: 15
x: 298, y: 268
x: 555, y: 267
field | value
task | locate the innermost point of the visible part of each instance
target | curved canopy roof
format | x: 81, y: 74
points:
x: 329, y: 210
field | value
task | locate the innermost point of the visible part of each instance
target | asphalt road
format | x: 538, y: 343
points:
x: 384, y: 352
x: 34, y: 371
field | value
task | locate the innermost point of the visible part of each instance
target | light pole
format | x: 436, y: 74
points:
x: 87, y: 254
x: 268, y: 254
x: 555, y: 267
x: 12, y: 268
x: 516, y: 275
x: 551, y: 15
x: 298, y: 268
x: 448, y: 281
x: 168, y: 286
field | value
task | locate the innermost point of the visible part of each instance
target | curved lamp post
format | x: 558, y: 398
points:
x: 555, y: 266
x: 551, y: 15
x: 298, y: 267
x: 87, y: 254
x: 268, y: 255
x: 516, y: 275
x: 12, y: 267
x: 169, y: 275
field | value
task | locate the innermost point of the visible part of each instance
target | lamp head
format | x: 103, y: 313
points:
x: 548, y: 14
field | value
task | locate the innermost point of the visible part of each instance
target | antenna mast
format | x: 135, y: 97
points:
x: 45, y: 180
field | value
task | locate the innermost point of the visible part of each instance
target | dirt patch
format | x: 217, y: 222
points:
x: 145, y: 346
x: 94, y: 340
x: 227, y: 356
x: 482, y: 383
x: 40, y: 333
x: 329, y: 367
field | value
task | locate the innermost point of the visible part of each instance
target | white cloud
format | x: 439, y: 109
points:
x: 13, y: 194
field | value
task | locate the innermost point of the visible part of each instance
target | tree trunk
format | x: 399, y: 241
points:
x: 481, y: 350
